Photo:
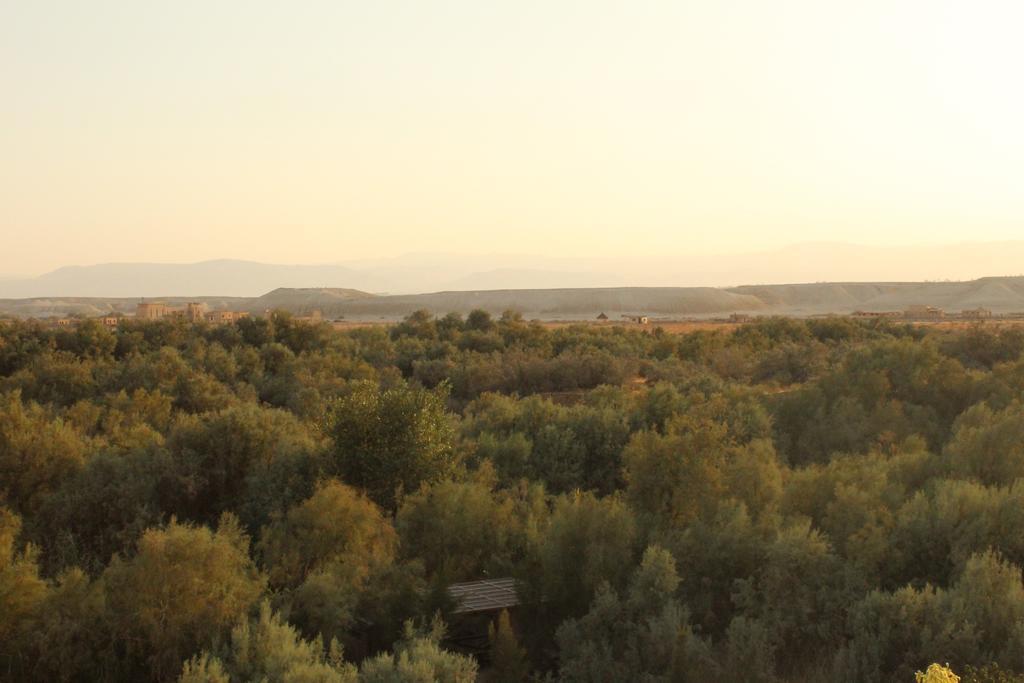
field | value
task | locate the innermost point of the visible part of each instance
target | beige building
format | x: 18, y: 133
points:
x: 146, y: 310
x: 976, y: 313
x: 223, y: 317
x: 876, y: 314
x: 926, y: 312
x: 195, y: 312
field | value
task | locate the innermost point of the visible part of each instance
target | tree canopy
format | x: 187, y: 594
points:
x: 277, y: 500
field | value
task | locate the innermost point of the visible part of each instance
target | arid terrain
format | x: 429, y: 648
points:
x: 1002, y: 296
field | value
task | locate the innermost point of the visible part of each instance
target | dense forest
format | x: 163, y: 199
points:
x: 274, y: 500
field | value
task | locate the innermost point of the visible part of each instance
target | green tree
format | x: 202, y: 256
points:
x: 105, y: 507
x: 37, y: 453
x: 988, y: 446
x: 588, y: 542
x: 750, y: 650
x: 70, y: 640
x: 991, y: 673
x: 643, y: 635
x: 184, y: 588
x: 22, y: 592
x: 218, y: 452
x: 714, y: 554
x: 977, y: 621
x: 337, y: 525
x: 419, y: 657
x: 57, y: 378
x: 673, y: 478
x: 203, y: 669
x: 466, y: 530
x: 508, y: 660
x: 327, y: 555
x: 389, y: 440
x: 799, y: 594
x: 753, y: 475
x: 479, y: 320
x: 269, y: 649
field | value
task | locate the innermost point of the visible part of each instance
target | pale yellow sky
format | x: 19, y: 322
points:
x: 324, y: 131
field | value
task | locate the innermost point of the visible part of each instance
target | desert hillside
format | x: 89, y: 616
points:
x: 1001, y: 295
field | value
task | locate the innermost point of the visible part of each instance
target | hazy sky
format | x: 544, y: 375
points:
x: 322, y: 131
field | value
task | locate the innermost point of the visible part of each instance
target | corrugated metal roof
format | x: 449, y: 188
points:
x: 483, y: 596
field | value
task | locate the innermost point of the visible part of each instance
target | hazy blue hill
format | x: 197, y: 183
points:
x: 208, y: 278
x: 533, y: 278
x: 842, y: 275
x: 563, y: 289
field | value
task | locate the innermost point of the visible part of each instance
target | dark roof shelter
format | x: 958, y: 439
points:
x: 488, y: 595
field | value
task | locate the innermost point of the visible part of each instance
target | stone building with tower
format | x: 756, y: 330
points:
x: 193, y: 312
x: 150, y: 310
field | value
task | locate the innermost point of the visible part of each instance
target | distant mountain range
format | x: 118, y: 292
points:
x: 999, y: 294
x: 209, y: 278
x: 421, y: 273
x: 837, y: 278
x: 233, y: 278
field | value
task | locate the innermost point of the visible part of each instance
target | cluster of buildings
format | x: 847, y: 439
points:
x: 922, y: 312
x: 638, y: 319
x: 147, y: 310
x: 106, y: 321
x: 192, y: 312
